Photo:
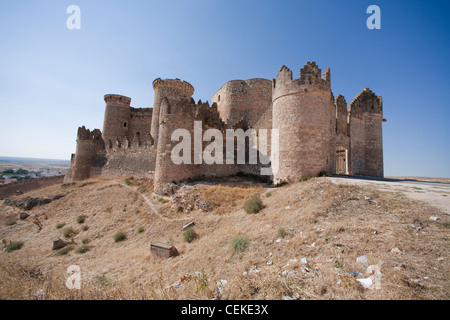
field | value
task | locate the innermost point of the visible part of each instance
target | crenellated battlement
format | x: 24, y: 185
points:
x: 366, y: 102
x: 174, y: 83
x: 341, y: 104
x: 310, y: 79
x: 125, y: 144
x: 86, y: 134
x: 117, y: 99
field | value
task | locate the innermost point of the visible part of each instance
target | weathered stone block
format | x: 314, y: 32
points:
x: 163, y: 250
x: 58, y: 243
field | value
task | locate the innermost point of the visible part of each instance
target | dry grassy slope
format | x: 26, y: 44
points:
x: 329, y: 225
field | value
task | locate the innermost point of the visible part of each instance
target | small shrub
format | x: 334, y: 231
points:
x: 103, y: 281
x: 119, y: 236
x: 281, y: 232
x: 268, y: 194
x: 190, y: 235
x: 60, y: 225
x: 304, y: 178
x: 128, y: 181
x: 81, y: 219
x: 239, y: 243
x: 353, y: 198
x: 69, y: 232
x: 108, y: 210
x: 143, y: 189
x: 180, y: 209
x: 65, y: 250
x: 140, y: 229
x: 85, y: 241
x: 281, y: 184
x: 322, y: 174
x: 82, y: 249
x: 254, y: 205
x: 85, y: 228
x: 15, y: 245
x: 10, y: 222
x: 162, y: 200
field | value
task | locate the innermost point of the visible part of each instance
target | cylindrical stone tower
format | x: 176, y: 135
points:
x: 117, y: 117
x: 88, y: 145
x: 239, y: 99
x: 304, y: 114
x: 173, y: 90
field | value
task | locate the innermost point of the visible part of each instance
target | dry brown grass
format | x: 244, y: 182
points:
x: 323, y: 223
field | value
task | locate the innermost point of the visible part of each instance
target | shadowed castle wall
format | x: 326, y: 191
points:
x: 173, y: 90
x: 89, y: 156
x: 239, y: 99
x: 366, y: 142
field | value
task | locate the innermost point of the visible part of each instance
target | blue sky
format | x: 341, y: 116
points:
x: 52, y: 79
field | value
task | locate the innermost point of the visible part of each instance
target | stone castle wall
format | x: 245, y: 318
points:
x: 304, y: 114
x: 317, y: 132
x: 239, y: 99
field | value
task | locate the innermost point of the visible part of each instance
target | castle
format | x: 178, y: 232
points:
x: 316, y: 132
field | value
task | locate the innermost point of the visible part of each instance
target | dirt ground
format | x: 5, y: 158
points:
x: 306, y: 243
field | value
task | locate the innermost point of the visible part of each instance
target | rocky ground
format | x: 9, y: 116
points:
x: 325, y: 238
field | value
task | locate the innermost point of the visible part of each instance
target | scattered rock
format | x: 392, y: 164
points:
x: 163, y: 250
x: 434, y: 218
x: 58, y: 243
x: 23, y: 215
x: 190, y: 224
x: 396, y: 251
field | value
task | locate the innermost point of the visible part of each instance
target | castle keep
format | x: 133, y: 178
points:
x: 316, y: 131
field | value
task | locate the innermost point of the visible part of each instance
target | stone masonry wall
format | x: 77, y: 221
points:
x: 304, y: 113
x: 239, y: 99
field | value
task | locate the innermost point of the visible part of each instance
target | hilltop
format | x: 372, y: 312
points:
x: 303, y: 244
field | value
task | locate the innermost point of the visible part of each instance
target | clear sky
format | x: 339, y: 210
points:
x: 52, y: 79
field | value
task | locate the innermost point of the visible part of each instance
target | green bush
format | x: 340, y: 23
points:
x: 162, y: 200
x: 10, y: 222
x: 304, y: 178
x: 69, y: 232
x: 239, y: 243
x: 82, y: 249
x: 254, y: 205
x: 81, y: 219
x: 60, y: 225
x: 190, y: 235
x: 119, y: 236
x: 15, y: 245
x: 65, y: 250
x: 140, y: 229
x: 281, y: 232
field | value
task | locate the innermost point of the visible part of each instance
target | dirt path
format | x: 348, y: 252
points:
x: 152, y: 206
x: 436, y: 194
